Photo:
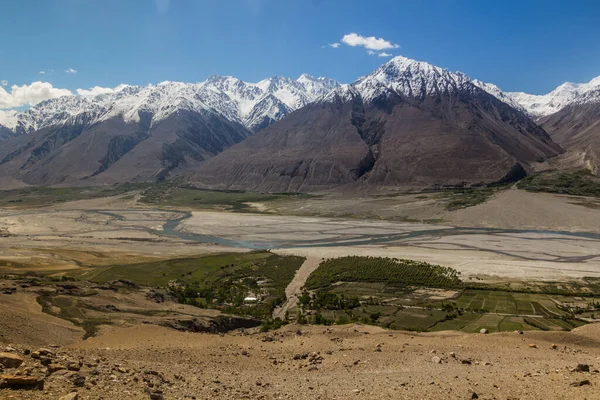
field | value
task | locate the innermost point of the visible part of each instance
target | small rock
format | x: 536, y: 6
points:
x: 581, y: 383
x: 484, y: 331
x: 436, y: 360
x: 532, y: 346
x: 10, y: 360
x: 52, y: 368
x: 554, y: 347
x: 73, y: 367
x: 71, y: 396
x: 474, y: 395
x: 78, y: 380
x: 157, y: 396
x: 301, y: 356
x: 581, y: 368
x: 452, y: 354
x: 45, y: 352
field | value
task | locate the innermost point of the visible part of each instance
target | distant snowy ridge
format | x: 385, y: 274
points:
x: 566, y: 94
x: 254, y: 105
x: 257, y: 105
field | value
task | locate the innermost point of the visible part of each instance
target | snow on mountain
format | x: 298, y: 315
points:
x: 500, y: 95
x: 420, y: 79
x: 566, y: 94
x: 411, y: 78
x: 415, y: 79
x: 254, y: 105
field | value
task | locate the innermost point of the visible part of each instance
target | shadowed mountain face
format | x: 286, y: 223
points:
x: 577, y: 129
x: 407, y: 124
x: 117, y: 151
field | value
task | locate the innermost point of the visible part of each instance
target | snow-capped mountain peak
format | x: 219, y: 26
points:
x: 410, y: 78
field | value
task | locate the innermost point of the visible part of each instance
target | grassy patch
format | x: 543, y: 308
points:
x: 178, y: 194
x: 70, y: 309
x: 42, y: 196
x: 189, y: 269
x: 470, y: 197
x: 578, y: 183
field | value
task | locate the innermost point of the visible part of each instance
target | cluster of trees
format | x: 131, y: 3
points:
x: 392, y: 271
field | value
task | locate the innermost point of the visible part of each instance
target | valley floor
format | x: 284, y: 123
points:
x: 82, y: 239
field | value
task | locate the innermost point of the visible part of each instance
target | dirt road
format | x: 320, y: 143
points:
x: 294, y: 289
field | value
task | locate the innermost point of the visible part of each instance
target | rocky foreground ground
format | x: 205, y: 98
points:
x: 307, y: 362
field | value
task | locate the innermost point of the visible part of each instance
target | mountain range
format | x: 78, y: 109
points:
x: 408, y: 123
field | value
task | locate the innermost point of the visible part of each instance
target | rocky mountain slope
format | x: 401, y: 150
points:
x: 577, y: 128
x: 571, y: 114
x: 143, y: 133
x: 408, y: 123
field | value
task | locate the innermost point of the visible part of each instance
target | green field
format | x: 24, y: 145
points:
x: 43, y: 196
x: 172, y: 193
x: 460, y: 199
x: 401, y: 294
x: 577, y: 183
x: 178, y: 194
x: 192, y: 269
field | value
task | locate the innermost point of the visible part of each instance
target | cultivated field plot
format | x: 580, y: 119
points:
x: 502, y: 302
x: 398, y: 295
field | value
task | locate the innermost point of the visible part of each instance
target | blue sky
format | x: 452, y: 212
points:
x: 530, y: 46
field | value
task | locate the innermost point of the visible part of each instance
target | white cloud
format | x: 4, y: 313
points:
x: 371, y: 52
x: 334, y: 45
x: 31, y: 94
x: 71, y: 71
x: 42, y: 72
x: 371, y: 42
x: 4, y: 83
x: 384, y: 54
x: 97, y: 90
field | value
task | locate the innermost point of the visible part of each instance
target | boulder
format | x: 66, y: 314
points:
x: 10, y: 360
x: 52, y: 368
x: 484, y: 331
x: 16, y: 382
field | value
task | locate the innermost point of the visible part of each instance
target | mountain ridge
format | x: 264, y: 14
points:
x: 254, y: 105
x: 405, y: 123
